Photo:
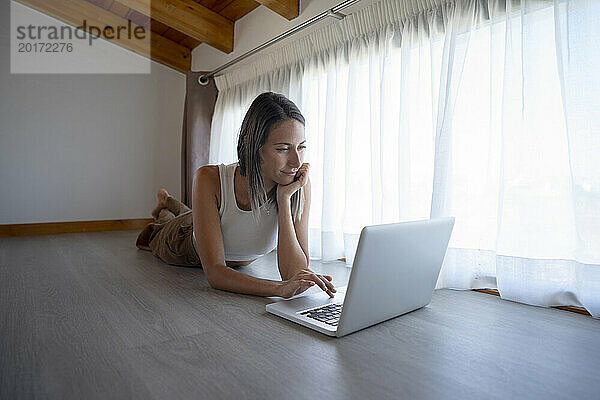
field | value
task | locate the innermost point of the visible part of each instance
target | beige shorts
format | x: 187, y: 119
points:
x: 170, y: 237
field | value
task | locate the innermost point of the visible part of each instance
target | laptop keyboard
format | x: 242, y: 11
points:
x: 329, y: 313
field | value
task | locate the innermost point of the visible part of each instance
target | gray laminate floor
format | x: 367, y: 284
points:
x: 86, y: 316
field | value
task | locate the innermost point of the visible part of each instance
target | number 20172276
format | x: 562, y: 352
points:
x: 45, y: 47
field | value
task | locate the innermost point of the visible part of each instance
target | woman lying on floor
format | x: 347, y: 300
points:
x: 244, y: 210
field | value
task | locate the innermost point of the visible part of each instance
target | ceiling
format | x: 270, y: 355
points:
x: 176, y: 26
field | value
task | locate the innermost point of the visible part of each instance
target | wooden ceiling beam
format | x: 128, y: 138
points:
x: 74, y: 12
x: 190, y: 18
x: 288, y: 9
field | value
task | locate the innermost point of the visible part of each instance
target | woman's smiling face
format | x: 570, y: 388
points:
x: 282, y: 153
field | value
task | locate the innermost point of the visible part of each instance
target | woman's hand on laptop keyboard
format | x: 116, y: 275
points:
x: 304, y: 279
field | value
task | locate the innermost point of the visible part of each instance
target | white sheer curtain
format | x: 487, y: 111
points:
x: 483, y: 110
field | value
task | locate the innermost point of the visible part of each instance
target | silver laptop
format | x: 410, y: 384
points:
x: 395, y: 271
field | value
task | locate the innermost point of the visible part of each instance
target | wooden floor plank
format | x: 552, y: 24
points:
x: 66, y: 349
x: 88, y: 315
x: 17, y: 357
x: 137, y: 293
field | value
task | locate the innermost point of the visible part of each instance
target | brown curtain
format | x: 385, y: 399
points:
x: 197, y: 116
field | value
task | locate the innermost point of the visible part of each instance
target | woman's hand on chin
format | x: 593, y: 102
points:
x: 285, y: 192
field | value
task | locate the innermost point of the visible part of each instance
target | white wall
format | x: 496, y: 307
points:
x: 261, y: 25
x: 86, y: 147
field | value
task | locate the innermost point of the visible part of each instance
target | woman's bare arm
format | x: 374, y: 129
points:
x: 209, y: 240
x: 292, y: 237
x: 209, y: 246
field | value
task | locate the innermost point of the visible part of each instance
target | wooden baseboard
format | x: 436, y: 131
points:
x: 579, y: 310
x: 49, y: 228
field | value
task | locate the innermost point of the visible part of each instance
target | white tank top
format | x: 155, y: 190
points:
x: 244, y: 239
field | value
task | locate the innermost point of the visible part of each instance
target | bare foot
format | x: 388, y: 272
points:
x: 162, y: 196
